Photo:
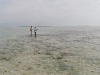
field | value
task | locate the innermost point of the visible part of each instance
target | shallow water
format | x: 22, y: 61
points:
x: 70, y: 50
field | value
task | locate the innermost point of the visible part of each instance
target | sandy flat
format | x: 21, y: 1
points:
x: 70, y: 52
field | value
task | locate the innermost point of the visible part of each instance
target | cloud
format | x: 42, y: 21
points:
x: 50, y: 12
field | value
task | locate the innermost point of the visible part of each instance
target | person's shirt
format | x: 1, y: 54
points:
x: 35, y: 29
x: 31, y: 29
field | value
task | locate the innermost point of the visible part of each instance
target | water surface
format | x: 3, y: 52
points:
x: 69, y: 50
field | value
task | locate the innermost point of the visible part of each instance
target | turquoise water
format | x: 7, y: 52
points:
x: 69, y: 50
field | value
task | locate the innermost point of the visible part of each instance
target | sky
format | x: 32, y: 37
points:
x: 50, y: 12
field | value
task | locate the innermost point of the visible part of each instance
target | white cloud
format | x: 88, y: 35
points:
x: 50, y: 12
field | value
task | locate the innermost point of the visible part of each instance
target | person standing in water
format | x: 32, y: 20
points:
x: 35, y: 30
x: 31, y: 30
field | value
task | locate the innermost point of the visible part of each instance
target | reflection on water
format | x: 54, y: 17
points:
x: 54, y: 50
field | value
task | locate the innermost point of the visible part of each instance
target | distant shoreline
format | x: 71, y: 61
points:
x: 36, y: 26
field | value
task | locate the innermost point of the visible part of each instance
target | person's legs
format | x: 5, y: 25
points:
x: 35, y: 33
x: 31, y: 33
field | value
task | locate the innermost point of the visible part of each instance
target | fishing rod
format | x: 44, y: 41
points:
x: 39, y: 24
